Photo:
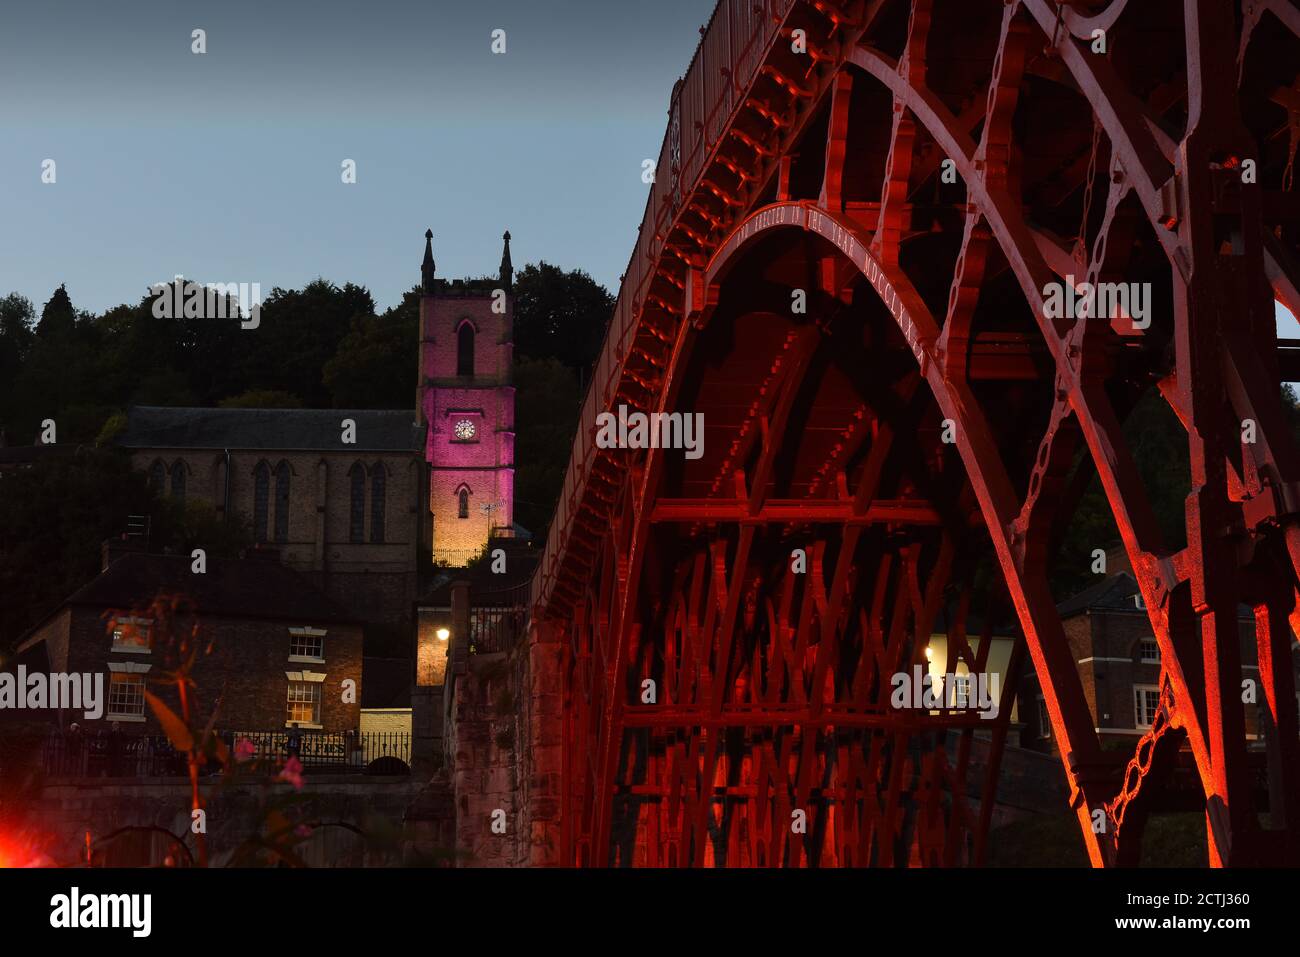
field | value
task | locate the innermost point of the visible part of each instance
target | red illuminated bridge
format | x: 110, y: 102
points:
x: 863, y: 213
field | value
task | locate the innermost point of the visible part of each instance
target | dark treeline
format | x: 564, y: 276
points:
x: 322, y: 346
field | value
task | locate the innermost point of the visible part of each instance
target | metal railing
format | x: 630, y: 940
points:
x: 498, y: 619
x: 103, y: 754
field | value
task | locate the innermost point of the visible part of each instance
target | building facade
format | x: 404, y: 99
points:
x: 270, y: 651
x: 340, y: 494
x: 1118, y: 661
x: 466, y: 401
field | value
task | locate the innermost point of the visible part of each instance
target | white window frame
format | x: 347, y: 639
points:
x: 307, y: 633
x: 1044, y: 719
x: 1139, y: 706
x: 310, y: 678
x: 128, y: 677
x: 1142, y: 657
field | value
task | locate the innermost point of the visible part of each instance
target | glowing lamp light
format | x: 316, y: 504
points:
x: 443, y: 634
x: 929, y: 653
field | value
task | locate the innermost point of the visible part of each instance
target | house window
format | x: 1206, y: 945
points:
x: 178, y: 481
x: 465, y: 350
x: 1146, y: 701
x: 961, y: 691
x: 463, y: 503
x: 132, y: 636
x: 1149, y: 651
x: 378, y: 490
x: 307, y: 643
x: 1044, y: 720
x: 282, y: 502
x: 304, y: 702
x: 357, y: 513
x: 125, y: 695
x: 261, y: 500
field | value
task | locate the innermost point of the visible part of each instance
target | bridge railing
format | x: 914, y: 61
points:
x: 724, y: 66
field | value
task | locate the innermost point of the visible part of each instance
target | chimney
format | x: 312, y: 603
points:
x: 115, y: 548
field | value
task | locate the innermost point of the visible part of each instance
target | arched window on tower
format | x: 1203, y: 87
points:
x: 261, y: 500
x: 463, y: 502
x: 178, y: 481
x: 357, y: 513
x: 282, y: 502
x: 465, y: 350
x: 378, y: 489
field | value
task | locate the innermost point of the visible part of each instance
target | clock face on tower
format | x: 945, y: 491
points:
x: 465, y: 431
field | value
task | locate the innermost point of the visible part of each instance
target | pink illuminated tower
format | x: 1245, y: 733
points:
x: 468, y: 403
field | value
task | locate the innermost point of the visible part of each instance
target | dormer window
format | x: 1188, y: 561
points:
x: 132, y: 636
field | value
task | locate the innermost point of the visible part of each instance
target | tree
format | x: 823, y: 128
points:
x: 261, y: 399
x: 377, y: 362
x: 560, y: 315
x: 299, y: 332
x: 17, y: 317
x: 547, y: 402
x: 58, y: 318
x: 54, y: 517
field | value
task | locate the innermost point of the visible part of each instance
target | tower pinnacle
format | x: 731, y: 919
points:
x: 507, y: 268
x: 427, y: 267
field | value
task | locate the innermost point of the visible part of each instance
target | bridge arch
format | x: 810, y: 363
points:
x: 823, y: 175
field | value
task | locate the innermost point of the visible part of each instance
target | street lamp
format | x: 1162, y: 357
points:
x: 443, y: 634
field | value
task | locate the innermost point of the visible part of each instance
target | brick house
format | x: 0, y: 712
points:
x: 1118, y: 661
x: 271, y: 650
x: 348, y: 515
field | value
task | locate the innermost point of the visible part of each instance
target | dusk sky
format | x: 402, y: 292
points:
x: 226, y: 166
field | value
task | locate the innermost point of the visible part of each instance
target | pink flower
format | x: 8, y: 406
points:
x: 244, y: 750
x: 292, y: 773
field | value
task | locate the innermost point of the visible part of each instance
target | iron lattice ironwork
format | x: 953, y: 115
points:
x: 925, y: 172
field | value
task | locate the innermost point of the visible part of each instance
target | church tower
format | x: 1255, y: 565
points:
x: 467, y: 402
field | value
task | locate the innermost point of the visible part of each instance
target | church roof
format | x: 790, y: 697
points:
x: 252, y: 587
x: 155, y: 427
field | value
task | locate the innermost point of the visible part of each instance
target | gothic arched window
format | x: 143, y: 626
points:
x: 378, y: 483
x: 157, y: 474
x: 463, y: 502
x: 178, y: 481
x: 282, y: 502
x: 357, y: 513
x: 465, y: 350
x: 261, y: 500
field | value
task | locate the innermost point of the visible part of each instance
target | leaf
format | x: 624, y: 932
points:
x: 177, y: 733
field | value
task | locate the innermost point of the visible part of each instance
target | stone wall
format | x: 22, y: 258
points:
x: 404, y: 820
x: 503, y: 742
